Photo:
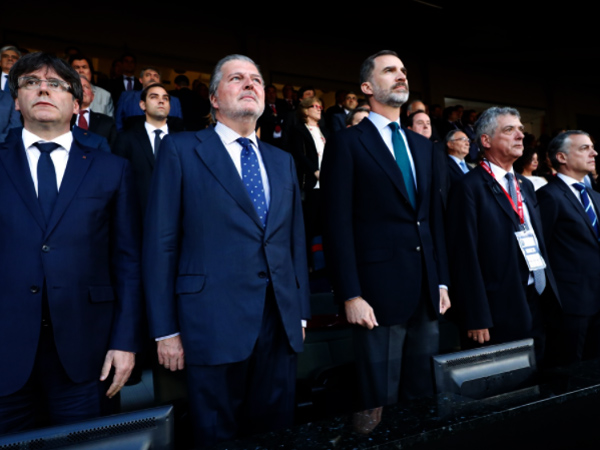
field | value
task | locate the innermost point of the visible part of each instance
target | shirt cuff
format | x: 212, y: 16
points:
x: 166, y: 337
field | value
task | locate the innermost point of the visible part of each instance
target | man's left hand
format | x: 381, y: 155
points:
x: 444, y: 300
x: 123, y: 363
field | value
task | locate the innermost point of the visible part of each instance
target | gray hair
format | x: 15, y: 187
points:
x: 451, y: 134
x: 561, y: 144
x: 217, y: 76
x: 488, y: 121
x: 10, y: 47
x: 154, y: 69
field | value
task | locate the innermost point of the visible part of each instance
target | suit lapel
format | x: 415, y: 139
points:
x: 374, y: 144
x: 214, y: 154
x: 423, y: 168
x: 80, y: 160
x: 577, y: 205
x: 143, y: 140
x: 499, y: 196
x: 13, y: 156
x: 276, y: 184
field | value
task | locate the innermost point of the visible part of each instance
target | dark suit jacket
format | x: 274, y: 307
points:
x: 90, y: 139
x: 268, y: 121
x: 376, y: 244
x: 207, y: 259
x: 489, y: 274
x: 9, y: 118
x: 116, y: 87
x: 573, y: 247
x: 454, y: 171
x: 134, y: 145
x: 87, y: 255
x: 441, y: 179
x: 104, y: 126
x: 302, y: 147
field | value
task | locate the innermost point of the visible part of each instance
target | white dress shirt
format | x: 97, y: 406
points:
x: 4, y: 80
x: 150, y: 130
x: 59, y: 157
x: 383, y: 126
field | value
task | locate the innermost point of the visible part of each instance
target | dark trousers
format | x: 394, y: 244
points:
x: 49, y: 397
x: 394, y: 362
x: 247, y: 397
x: 572, y: 338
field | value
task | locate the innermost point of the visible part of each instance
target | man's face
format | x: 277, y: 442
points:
x: 388, y: 84
x: 459, y: 145
x: 88, y: 93
x: 8, y: 58
x: 350, y: 102
x: 43, y: 105
x: 149, y: 77
x: 128, y: 65
x: 157, y: 104
x: 82, y: 67
x: 507, y: 143
x: 271, y: 95
x: 308, y: 94
x: 240, y: 93
x: 581, y: 157
x: 422, y: 125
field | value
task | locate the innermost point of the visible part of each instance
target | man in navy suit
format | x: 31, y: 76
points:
x: 499, y: 267
x: 569, y: 213
x: 457, y: 145
x: 70, y: 261
x: 225, y: 270
x: 384, y: 241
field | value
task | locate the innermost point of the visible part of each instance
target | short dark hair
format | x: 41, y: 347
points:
x: 366, y: 70
x: 38, y: 60
x: 560, y: 144
x: 144, y: 93
x: 351, y: 114
x: 182, y: 81
x: 303, y: 89
x: 80, y: 56
x: 411, y: 118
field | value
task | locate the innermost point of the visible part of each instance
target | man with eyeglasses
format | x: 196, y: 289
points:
x: 70, y: 298
x: 457, y: 146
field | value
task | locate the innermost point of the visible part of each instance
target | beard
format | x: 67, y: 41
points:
x: 390, y: 98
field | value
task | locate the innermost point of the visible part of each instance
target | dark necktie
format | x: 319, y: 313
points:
x: 401, y: 154
x: 157, y: 141
x: 5, y: 82
x: 82, y: 123
x: 46, y: 175
x: 129, y: 86
x: 252, y: 179
x: 587, y: 205
x: 539, y: 276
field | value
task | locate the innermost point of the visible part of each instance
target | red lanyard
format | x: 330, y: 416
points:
x: 519, y: 208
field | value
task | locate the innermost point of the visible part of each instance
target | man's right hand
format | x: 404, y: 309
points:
x: 359, y: 312
x: 480, y: 336
x: 170, y: 353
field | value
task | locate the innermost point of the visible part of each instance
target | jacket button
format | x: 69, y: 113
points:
x: 418, y: 223
x: 418, y: 249
x: 262, y: 275
x: 34, y: 289
x: 45, y: 248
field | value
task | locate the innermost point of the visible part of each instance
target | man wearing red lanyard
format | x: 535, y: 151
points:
x: 499, y: 273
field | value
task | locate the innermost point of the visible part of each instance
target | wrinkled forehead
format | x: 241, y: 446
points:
x: 241, y: 67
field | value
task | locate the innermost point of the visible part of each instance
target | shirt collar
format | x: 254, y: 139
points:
x: 381, y: 122
x: 151, y: 128
x: 64, y: 140
x: 228, y: 136
x: 567, y: 179
x: 498, y: 171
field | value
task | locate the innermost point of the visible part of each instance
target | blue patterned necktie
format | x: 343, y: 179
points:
x: 401, y: 154
x: 587, y: 205
x: 46, y: 175
x: 252, y: 179
x: 463, y: 166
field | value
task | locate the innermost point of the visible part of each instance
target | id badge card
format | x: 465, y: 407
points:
x: 531, y: 252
